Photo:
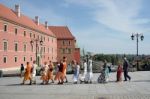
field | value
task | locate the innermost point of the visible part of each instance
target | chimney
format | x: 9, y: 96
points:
x: 46, y: 24
x: 37, y: 20
x: 17, y: 10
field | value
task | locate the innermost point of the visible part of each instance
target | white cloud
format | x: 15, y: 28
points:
x: 120, y: 15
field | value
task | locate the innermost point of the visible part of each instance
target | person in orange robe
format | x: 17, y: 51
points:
x: 27, y: 75
x: 50, y: 72
x: 44, y: 76
x: 64, y: 69
x: 58, y: 75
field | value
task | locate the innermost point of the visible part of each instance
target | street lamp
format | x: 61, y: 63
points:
x: 137, y: 35
x: 37, y: 44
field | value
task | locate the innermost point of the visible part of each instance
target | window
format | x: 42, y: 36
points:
x: 63, y: 42
x: 34, y: 35
x: 31, y: 58
x: 5, y: 27
x: 69, y: 51
x: 44, y: 49
x: 24, y: 33
x: 63, y: 51
x: 25, y: 47
x: 24, y: 58
x: 48, y: 50
x: 16, y: 46
x: 38, y: 37
x: 5, y: 45
x: 30, y: 34
x: 16, y: 31
x: 52, y: 50
x: 32, y: 48
x: 48, y: 39
x: 15, y: 59
x: 44, y: 38
x: 69, y: 43
x: 5, y: 59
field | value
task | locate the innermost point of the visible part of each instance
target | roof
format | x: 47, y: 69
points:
x: 9, y: 14
x: 61, y: 32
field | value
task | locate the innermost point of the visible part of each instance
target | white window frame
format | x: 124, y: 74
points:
x: 3, y: 45
x: 6, y: 27
x: 3, y: 59
x: 15, y: 46
x: 15, y: 59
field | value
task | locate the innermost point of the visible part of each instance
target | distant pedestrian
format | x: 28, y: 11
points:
x: 65, y: 69
x: 125, y: 69
x: 27, y: 75
x: 34, y: 67
x: 50, y: 72
x: 44, y: 76
x: 89, y: 75
x: 82, y: 78
x: 76, y: 72
x: 119, y: 73
x: 21, y: 70
x: 104, y: 76
x: 60, y: 74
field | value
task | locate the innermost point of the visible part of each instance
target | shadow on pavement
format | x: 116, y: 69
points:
x: 141, y: 81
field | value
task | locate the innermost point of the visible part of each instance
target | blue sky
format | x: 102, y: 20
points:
x: 100, y: 26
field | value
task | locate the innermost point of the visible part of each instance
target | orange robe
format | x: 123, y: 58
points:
x: 50, y: 73
x: 27, y: 75
x: 64, y: 69
x: 44, y: 76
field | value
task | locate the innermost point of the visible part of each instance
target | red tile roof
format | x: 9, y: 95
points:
x: 61, y: 32
x: 9, y: 14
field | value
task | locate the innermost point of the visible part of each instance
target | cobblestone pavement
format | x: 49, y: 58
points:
x: 137, y: 88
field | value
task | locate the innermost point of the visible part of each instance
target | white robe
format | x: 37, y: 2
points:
x: 34, y: 70
x: 76, y: 73
x: 82, y: 78
x: 89, y: 74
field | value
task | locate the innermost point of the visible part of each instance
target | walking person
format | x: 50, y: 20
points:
x: 60, y: 76
x: 82, y: 78
x: 65, y: 68
x: 44, y: 77
x: 125, y: 69
x: 34, y: 66
x: 50, y: 72
x: 104, y: 76
x: 27, y: 75
x: 76, y: 72
x: 58, y: 72
x: 21, y: 70
x: 119, y: 73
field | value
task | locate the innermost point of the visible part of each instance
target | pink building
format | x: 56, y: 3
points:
x: 17, y: 31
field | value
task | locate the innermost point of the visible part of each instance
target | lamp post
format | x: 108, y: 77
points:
x: 37, y: 43
x: 137, y: 35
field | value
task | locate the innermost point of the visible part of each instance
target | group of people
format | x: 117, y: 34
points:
x: 104, y: 76
x: 47, y: 71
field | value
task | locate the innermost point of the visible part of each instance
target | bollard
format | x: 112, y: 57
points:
x: 1, y: 73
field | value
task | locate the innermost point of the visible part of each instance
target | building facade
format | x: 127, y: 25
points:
x: 66, y: 44
x: 24, y: 40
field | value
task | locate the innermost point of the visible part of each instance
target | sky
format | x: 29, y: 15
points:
x: 100, y: 26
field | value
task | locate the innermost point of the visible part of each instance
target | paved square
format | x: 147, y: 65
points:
x: 137, y: 88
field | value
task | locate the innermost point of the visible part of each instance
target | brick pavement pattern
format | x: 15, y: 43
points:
x: 137, y: 88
